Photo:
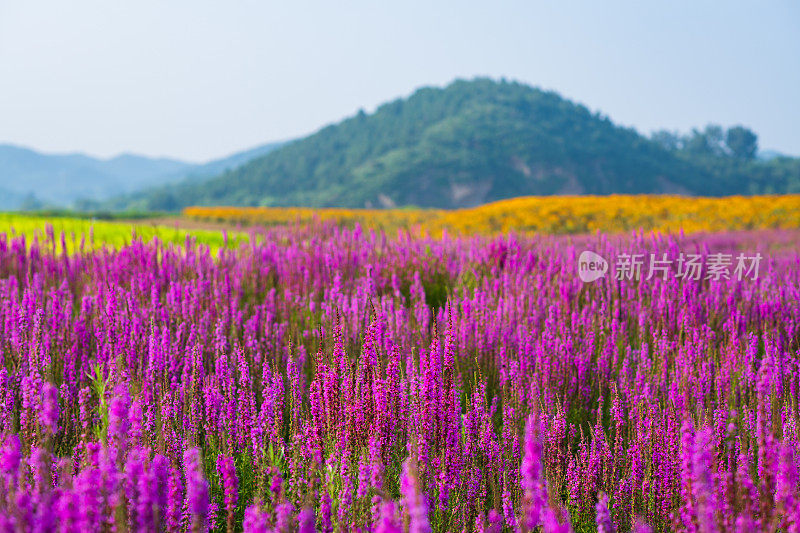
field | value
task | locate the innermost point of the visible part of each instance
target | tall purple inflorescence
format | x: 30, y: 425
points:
x: 388, y: 521
x: 306, y: 520
x: 533, y: 483
x: 256, y: 521
x: 175, y: 499
x: 603, y: 516
x: 48, y: 416
x: 230, y: 484
x: 10, y: 457
x: 196, y: 489
x: 413, y: 500
x: 118, y: 423
x: 284, y: 514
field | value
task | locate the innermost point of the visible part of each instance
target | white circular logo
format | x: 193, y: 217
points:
x: 591, y: 266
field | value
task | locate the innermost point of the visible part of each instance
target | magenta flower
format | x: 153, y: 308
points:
x: 603, y: 517
x: 175, y: 499
x: 533, y: 483
x: 118, y: 423
x: 230, y: 483
x: 196, y: 489
x: 413, y: 500
x: 306, y: 520
x: 284, y: 513
x: 256, y: 520
x: 10, y: 457
x: 48, y: 416
x: 388, y: 521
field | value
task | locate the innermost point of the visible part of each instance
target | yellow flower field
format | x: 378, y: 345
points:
x: 552, y: 214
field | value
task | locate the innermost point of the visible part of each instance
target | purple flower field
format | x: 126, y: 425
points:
x: 323, y: 379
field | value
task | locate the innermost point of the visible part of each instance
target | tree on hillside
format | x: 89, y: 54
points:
x: 710, y: 141
x: 667, y: 140
x: 742, y: 142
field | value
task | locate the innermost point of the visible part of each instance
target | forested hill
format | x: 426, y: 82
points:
x: 482, y: 140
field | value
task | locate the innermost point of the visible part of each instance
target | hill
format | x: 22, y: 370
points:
x: 30, y: 179
x: 61, y: 179
x: 470, y: 143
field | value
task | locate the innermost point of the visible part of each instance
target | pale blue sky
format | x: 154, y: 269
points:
x: 197, y: 79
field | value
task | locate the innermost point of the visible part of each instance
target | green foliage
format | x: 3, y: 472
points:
x: 742, y: 142
x: 99, y: 385
x: 728, y: 160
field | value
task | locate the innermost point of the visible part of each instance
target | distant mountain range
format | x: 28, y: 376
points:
x: 29, y: 179
x: 471, y: 142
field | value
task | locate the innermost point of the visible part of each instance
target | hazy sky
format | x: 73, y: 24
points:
x: 197, y: 79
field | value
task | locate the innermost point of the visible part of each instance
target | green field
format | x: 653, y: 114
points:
x: 99, y: 233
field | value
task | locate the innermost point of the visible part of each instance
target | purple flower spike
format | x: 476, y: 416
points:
x: 533, y: 483
x: 230, y: 484
x: 196, y: 489
x: 283, y: 517
x: 10, y: 457
x: 306, y: 520
x: 175, y: 500
x: 256, y: 520
x: 49, y: 414
x: 118, y: 414
x: 388, y: 521
x: 603, y: 516
x: 413, y: 499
